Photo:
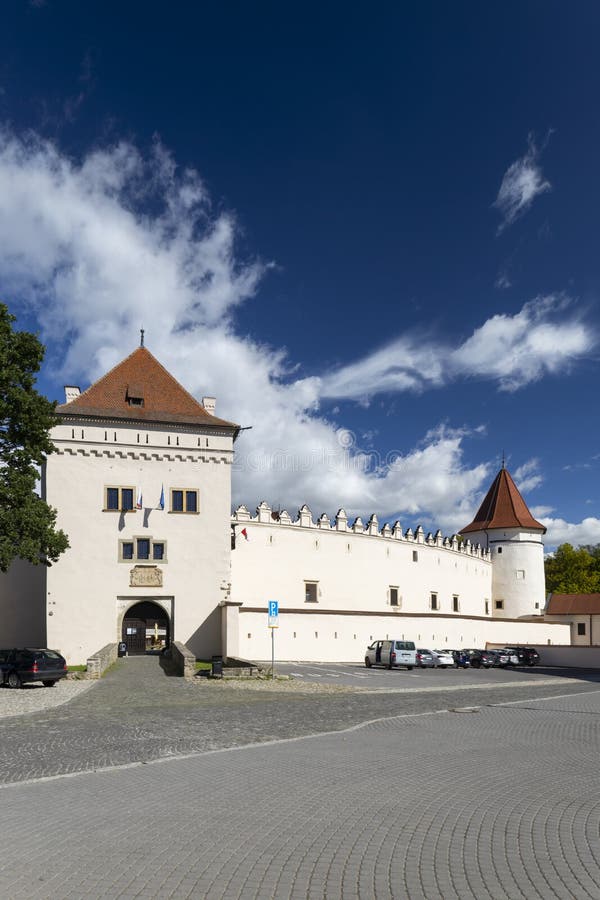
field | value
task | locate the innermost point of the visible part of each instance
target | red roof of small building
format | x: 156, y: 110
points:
x: 139, y: 388
x: 573, y: 605
x: 503, y: 507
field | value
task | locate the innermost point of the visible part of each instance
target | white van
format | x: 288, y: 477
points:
x: 391, y: 653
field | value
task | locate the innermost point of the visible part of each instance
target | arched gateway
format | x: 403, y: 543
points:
x: 146, y: 628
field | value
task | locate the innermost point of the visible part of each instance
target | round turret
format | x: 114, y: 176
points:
x: 505, y: 526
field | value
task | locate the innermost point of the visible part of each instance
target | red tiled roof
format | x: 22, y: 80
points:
x: 573, y: 605
x: 503, y: 507
x: 140, y: 376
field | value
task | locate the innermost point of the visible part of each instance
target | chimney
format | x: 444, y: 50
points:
x: 71, y: 392
x: 209, y: 404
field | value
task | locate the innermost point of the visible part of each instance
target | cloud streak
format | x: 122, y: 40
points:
x: 543, y: 338
x: 522, y: 183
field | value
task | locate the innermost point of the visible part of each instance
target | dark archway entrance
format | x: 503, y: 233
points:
x: 146, y: 628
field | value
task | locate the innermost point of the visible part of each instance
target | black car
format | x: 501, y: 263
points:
x: 17, y: 667
x: 479, y: 658
x: 527, y: 655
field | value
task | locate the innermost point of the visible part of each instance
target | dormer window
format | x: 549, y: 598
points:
x: 135, y: 395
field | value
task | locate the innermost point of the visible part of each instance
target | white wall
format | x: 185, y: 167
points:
x: 88, y: 588
x: 335, y: 638
x: 354, y: 571
x: 518, y: 570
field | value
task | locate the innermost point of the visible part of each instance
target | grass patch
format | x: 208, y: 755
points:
x: 202, y: 665
x: 77, y: 668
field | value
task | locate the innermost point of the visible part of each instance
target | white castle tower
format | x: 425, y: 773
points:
x: 505, y: 526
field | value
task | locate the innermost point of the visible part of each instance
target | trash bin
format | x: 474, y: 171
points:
x: 217, y: 666
x: 122, y: 648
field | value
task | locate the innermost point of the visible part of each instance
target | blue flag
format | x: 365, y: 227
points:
x: 161, y: 502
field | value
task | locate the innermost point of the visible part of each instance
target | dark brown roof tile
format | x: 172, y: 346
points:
x: 503, y: 507
x: 140, y: 376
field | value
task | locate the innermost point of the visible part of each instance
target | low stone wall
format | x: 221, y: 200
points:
x: 178, y: 660
x: 578, y: 657
x: 101, y: 660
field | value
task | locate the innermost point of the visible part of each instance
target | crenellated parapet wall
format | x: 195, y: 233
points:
x: 265, y: 515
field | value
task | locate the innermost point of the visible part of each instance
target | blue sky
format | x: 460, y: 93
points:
x: 370, y: 233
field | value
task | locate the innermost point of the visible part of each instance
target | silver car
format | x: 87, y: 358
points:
x: 427, y: 659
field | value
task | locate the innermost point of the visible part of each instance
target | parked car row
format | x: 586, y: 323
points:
x: 20, y: 666
x: 391, y: 653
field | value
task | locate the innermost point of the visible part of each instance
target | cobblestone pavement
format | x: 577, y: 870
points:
x: 497, y: 803
x: 35, y: 698
x: 137, y: 714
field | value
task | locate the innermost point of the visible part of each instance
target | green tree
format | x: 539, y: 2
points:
x: 572, y: 571
x: 27, y: 523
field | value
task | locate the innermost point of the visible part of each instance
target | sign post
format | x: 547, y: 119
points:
x: 273, y: 624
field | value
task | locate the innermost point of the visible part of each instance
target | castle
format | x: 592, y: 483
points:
x: 141, y: 479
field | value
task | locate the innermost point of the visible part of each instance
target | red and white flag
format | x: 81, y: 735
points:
x: 140, y: 500
x: 245, y: 533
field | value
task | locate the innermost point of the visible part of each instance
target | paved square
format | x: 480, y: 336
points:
x: 498, y: 803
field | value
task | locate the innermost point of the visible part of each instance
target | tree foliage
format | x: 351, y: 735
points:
x: 27, y: 523
x: 572, y: 571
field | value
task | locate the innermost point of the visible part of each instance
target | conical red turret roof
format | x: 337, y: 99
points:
x: 139, y: 388
x: 503, y: 507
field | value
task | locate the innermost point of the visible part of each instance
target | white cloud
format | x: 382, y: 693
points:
x: 503, y: 281
x: 541, y: 339
x: 527, y: 476
x: 522, y: 183
x: 576, y: 533
x: 541, y: 512
x: 100, y: 248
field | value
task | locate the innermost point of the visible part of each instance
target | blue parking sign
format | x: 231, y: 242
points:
x: 273, y: 608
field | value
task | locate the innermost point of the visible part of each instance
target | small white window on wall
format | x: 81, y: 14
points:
x: 433, y: 601
x: 310, y: 591
x: 499, y: 604
x: 394, y: 596
x: 520, y: 573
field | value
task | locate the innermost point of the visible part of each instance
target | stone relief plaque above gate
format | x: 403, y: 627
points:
x: 145, y: 576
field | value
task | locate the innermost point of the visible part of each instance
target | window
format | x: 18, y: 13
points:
x: 499, y: 604
x: 184, y: 500
x: 434, y: 601
x: 487, y: 607
x: 394, y: 599
x: 499, y: 550
x: 581, y: 628
x: 135, y: 395
x: 415, y: 556
x: 520, y: 574
x: 142, y: 549
x: 310, y: 591
x: 455, y: 603
x: 118, y: 499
